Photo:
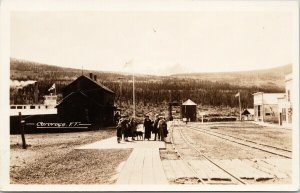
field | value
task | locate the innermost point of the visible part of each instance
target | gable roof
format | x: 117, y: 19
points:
x: 97, y: 84
x: 81, y: 94
x: 189, y: 102
x: 248, y: 111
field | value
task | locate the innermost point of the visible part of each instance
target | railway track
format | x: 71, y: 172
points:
x: 230, y: 179
x: 248, y: 143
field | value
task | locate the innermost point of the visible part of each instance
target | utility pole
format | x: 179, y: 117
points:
x: 133, y: 95
x: 240, y: 106
x: 120, y: 94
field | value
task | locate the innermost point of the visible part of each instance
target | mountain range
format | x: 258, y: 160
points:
x: 272, y: 77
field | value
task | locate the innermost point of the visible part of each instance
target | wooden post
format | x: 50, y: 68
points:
x: 240, y: 106
x: 22, y: 131
x: 133, y: 95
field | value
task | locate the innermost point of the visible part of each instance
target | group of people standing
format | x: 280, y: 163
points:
x: 158, y: 127
x: 128, y: 128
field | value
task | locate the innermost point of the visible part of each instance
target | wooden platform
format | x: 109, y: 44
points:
x: 111, y: 143
x: 243, y: 169
x: 143, y: 166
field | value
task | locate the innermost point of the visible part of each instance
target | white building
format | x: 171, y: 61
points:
x: 266, y: 106
x: 285, y: 106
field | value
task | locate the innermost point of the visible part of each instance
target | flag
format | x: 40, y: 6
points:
x: 237, y: 94
x: 128, y: 63
x: 52, y: 87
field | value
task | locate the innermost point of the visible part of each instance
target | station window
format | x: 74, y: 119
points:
x: 268, y: 114
x: 32, y: 107
x: 19, y: 107
x: 12, y: 107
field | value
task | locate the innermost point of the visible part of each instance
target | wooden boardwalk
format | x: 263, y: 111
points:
x: 143, y: 166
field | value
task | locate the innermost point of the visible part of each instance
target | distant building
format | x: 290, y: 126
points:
x: 86, y: 100
x: 285, y: 106
x: 248, y: 115
x: 266, y: 106
x: 189, y: 110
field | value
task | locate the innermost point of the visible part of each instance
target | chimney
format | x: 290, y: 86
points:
x: 91, y: 76
x: 95, y: 78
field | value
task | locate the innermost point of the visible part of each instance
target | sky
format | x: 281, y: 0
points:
x: 154, y: 42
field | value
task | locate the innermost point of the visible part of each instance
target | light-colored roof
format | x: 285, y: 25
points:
x: 267, y: 98
x: 188, y: 102
x: 251, y: 111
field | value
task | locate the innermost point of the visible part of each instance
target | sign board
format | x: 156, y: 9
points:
x: 57, y: 125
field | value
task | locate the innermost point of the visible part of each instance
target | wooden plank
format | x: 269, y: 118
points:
x: 160, y: 177
x: 177, y: 170
x: 283, y: 165
x: 267, y: 166
x: 148, y: 173
x: 212, y: 171
x: 242, y: 169
x: 257, y: 174
x: 169, y: 171
x: 186, y: 170
x: 235, y: 168
x: 136, y: 173
x: 127, y: 168
x: 198, y: 167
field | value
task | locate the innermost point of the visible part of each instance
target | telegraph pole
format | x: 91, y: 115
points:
x: 133, y: 95
x: 240, y: 106
x: 120, y: 94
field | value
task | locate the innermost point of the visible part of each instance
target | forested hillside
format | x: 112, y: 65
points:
x: 272, y: 77
x: 204, y: 89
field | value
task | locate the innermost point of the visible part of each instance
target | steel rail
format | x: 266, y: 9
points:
x: 181, y: 157
x: 240, y: 143
x: 201, y: 154
x: 233, y: 176
x: 258, y: 143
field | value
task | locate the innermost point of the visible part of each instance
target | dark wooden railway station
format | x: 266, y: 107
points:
x: 87, y: 100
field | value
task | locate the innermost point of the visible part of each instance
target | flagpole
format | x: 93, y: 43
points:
x: 133, y: 95
x: 240, y: 106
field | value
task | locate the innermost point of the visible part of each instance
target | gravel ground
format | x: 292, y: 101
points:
x: 266, y: 135
x: 168, y: 153
x: 216, y: 148
x: 52, y: 159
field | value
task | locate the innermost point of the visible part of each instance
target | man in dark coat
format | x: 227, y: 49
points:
x: 119, y: 131
x: 125, y: 128
x: 163, y: 130
x: 155, y: 127
x: 148, y: 128
x: 133, y: 128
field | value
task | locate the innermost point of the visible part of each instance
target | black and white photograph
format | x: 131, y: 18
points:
x: 149, y: 95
